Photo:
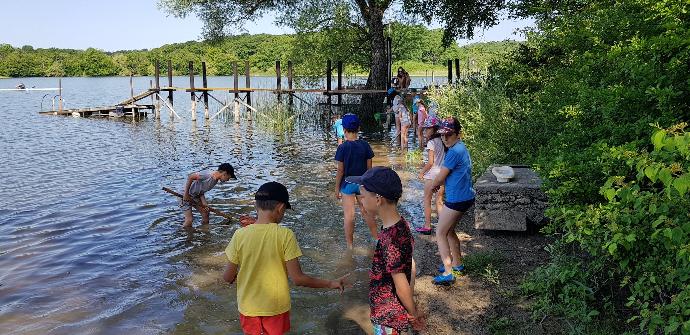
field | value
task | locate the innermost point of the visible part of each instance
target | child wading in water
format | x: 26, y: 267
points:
x: 404, y: 116
x: 353, y: 158
x: 436, y: 153
x: 338, y: 128
x: 456, y: 174
x: 197, y: 185
x: 393, y: 310
x: 261, y: 257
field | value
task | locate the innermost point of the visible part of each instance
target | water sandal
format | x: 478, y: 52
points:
x: 444, y: 280
x: 459, y: 269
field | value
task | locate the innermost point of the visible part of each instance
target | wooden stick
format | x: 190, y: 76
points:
x: 211, y: 209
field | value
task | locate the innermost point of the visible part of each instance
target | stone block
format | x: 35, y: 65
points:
x: 511, y: 205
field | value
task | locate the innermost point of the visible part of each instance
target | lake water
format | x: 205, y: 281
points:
x: 89, y: 244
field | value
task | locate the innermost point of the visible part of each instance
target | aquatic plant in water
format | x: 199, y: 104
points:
x: 277, y: 118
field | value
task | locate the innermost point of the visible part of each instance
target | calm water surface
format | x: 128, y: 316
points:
x: 89, y: 244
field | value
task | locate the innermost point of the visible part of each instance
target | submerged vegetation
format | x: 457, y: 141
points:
x: 260, y: 50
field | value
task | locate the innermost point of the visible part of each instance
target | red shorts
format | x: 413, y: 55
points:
x: 265, y: 325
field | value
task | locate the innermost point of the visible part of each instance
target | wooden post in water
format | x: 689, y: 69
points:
x: 450, y: 72
x: 389, y: 57
x: 59, y: 94
x: 191, y: 86
x: 158, y: 89
x: 328, y: 82
x: 236, y: 80
x: 170, y: 92
x: 247, y: 83
x: 457, y: 69
x: 205, y: 83
x: 131, y: 90
x: 290, y: 82
x: 340, y: 81
x: 278, y: 88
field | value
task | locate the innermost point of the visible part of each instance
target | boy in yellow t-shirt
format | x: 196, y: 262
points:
x: 261, y: 257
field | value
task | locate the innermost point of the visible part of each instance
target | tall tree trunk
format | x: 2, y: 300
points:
x: 378, y: 76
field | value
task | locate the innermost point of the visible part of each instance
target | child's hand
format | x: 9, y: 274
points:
x: 340, y: 283
x: 421, y: 176
x: 418, y: 322
x: 246, y: 220
x: 338, y: 195
x: 187, y: 198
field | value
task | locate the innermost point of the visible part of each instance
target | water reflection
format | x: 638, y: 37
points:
x: 90, y: 244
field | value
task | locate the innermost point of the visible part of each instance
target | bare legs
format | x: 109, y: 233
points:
x: 348, y: 202
x: 428, y: 197
x: 189, y: 217
x: 448, y: 242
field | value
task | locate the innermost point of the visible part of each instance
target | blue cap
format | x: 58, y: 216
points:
x: 391, y: 90
x: 380, y: 180
x: 350, y: 121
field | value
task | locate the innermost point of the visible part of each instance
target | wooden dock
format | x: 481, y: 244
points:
x: 131, y: 110
x: 242, y: 95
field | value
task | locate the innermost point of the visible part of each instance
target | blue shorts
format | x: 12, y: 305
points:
x: 461, y: 206
x: 349, y: 188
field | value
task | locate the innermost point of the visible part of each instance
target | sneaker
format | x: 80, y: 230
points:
x: 444, y: 280
x: 457, y: 270
x: 423, y: 230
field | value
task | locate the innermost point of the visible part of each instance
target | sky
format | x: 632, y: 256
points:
x: 133, y: 24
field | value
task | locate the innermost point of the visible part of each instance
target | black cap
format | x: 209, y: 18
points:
x: 380, y: 180
x: 227, y: 168
x: 274, y: 191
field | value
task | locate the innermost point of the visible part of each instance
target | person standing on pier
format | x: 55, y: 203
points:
x: 198, y: 183
x: 353, y: 158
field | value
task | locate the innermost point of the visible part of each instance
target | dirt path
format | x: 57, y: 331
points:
x: 484, y: 301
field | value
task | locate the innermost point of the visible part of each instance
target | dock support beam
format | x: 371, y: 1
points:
x: 290, y: 82
x: 278, y: 88
x: 340, y: 81
x: 170, y: 84
x: 247, y: 83
x: 450, y: 72
x: 205, y: 83
x: 457, y: 69
x: 235, y: 80
x: 157, y: 71
x: 191, y: 86
x: 329, y: 75
x: 389, y: 58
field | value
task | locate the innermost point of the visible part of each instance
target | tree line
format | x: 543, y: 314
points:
x: 414, y: 47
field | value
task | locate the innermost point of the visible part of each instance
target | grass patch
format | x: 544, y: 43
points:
x: 501, y: 326
x: 477, y: 263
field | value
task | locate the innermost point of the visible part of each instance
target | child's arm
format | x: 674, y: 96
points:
x: 369, y: 164
x: 300, y: 279
x: 404, y: 292
x: 338, y: 178
x: 230, y: 273
x: 440, y: 178
x: 192, y: 177
x: 428, y: 165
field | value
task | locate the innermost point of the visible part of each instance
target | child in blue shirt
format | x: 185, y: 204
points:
x: 353, y: 158
x: 456, y: 174
x: 338, y: 128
